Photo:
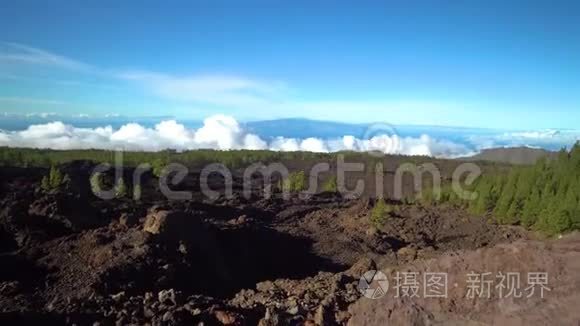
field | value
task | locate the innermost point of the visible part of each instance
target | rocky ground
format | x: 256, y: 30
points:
x: 70, y: 258
x: 558, y: 258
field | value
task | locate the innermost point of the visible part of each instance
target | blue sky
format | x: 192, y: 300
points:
x: 488, y: 64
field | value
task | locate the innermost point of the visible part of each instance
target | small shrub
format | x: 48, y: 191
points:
x: 45, y: 184
x: 54, y: 181
x: 55, y: 177
x: 295, y: 182
x: 555, y: 223
x: 157, y: 167
x: 380, y: 213
x: 427, y: 197
x: 330, y: 185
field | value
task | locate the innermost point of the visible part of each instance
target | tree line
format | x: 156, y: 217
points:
x: 30, y: 157
x: 544, y: 196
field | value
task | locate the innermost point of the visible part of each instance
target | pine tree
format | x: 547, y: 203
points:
x: 380, y: 213
x: 555, y: 222
x: 531, y: 208
x: 575, y: 156
x: 158, y: 165
x: 563, y: 157
x: 548, y: 193
x: 55, y: 177
x: 295, y: 182
x: 507, y: 196
x: 45, y: 184
x: 330, y: 184
x: 524, y: 188
x: 53, y: 181
x: 483, y: 190
x: 570, y: 204
x: 488, y: 190
x: 514, y: 212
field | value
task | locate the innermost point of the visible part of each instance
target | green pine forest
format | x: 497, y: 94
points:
x: 32, y: 157
x: 29, y: 157
x: 544, y: 196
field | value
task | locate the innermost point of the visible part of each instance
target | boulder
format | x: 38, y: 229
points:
x: 407, y: 253
x: 227, y: 317
x: 167, y: 297
x: 172, y: 225
x: 362, y: 266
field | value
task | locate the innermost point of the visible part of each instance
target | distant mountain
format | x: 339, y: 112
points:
x: 302, y: 128
x: 512, y: 155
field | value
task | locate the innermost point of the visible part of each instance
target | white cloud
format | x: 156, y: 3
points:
x: 254, y: 142
x: 538, y: 134
x: 551, y: 139
x: 30, y: 100
x: 313, y: 145
x: 49, y: 130
x: 214, y: 89
x: 218, y: 132
x: 226, y: 90
x: 19, y: 53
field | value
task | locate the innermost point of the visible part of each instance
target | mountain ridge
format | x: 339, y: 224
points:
x: 520, y: 155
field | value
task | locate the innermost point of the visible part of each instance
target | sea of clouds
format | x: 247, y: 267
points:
x: 223, y: 132
x: 218, y: 132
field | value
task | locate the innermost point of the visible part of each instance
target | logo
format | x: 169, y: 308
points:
x: 373, y: 284
x: 381, y: 139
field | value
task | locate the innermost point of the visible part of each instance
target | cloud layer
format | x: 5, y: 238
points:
x: 218, y: 132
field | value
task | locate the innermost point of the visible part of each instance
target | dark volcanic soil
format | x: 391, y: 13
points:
x: 69, y: 257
